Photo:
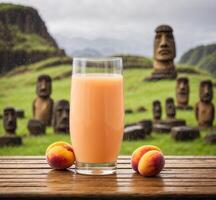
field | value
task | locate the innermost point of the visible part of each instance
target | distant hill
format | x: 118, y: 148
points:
x: 24, y: 37
x: 87, y: 52
x: 203, y: 57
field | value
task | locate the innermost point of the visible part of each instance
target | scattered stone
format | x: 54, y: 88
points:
x: 184, y: 133
x: 128, y: 111
x: 184, y: 107
x: 20, y: 113
x: 10, y: 140
x: 133, y: 124
x: 205, y: 110
x: 173, y: 122
x: 134, y: 132
x: 161, y: 128
x: 61, y: 116
x: 210, y: 138
x: 36, y: 127
x: 147, y: 126
x: 141, y: 109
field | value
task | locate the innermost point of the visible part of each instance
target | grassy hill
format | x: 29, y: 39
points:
x: 203, y: 57
x: 18, y: 90
x: 24, y: 37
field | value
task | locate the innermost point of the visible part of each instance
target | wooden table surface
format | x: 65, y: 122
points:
x: 184, y: 177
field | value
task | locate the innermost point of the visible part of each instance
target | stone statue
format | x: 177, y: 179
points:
x: 43, y: 104
x: 10, y: 120
x: 205, y: 111
x: 182, y: 93
x: 10, y: 125
x: 164, y: 54
x: 157, y: 110
x: 170, y: 108
x: 61, y: 117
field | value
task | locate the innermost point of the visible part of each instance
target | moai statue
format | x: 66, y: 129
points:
x: 164, y: 54
x: 157, y: 110
x: 10, y: 120
x: 205, y: 111
x: 170, y: 108
x: 182, y: 93
x: 61, y: 117
x: 43, y: 104
x: 10, y: 125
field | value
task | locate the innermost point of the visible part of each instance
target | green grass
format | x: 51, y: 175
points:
x: 19, y: 91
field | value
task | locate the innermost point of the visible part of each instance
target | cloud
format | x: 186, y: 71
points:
x: 133, y: 21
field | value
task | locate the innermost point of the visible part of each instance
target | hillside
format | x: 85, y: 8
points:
x: 203, y: 57
x: 18, y: 90
x: 23, y: 37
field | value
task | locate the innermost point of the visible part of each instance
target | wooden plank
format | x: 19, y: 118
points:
x: 123, y: 166
x: 110, y: 183
x: 138, y: 191
x: 183, y: 176
x: 125, y: 161
x: 122, y: 157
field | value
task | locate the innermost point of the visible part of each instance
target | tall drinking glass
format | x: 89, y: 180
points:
x: 96, y: 114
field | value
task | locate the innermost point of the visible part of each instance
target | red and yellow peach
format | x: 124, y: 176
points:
x: 147, y: 160
x: 151, y: 163
x: 138, y: 153
x: 60, y: 155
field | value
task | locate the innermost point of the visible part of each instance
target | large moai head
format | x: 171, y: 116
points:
x: 182, y: 91
x: 61, y: 116
x: 44, y: 86
x: 10, y: 120
x: 164, y: 44
x: 157, y: 110
x: 206, y: 91
x: 170, y: 108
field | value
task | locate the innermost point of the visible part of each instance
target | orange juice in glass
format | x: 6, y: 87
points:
x: 96, y: 114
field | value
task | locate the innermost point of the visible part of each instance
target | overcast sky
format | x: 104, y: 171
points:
x: 193, y: 21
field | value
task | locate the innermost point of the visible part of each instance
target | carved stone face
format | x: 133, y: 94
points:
x: 170, y: 108
x: 44, y: 86
x: 182, y: 91
x: 206, y: 91
x: 9, y: 120
x: 164, y: 44
x: 157, y: 110
x: 61, y: 116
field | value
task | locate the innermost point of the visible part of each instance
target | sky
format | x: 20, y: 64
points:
x: 132, y: 21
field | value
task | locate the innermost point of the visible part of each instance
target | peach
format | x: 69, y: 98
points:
x: 151, y: 163
x: 138, y: 153
x: 60, y: 155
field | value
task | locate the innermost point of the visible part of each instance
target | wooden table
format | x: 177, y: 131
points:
x: 184, y: 177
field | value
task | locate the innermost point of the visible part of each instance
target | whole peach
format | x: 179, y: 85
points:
x: 138, y: 153
x: 151, y: 163
x: 60, y: 155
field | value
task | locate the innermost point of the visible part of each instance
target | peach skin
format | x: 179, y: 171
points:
x: 151, y: 163
x: 138, y: 153
x: 60, y: 155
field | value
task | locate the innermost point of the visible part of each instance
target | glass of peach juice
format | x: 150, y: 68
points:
x: 96, y: 114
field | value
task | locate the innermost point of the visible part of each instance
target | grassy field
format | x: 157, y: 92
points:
x: 18, y: 89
